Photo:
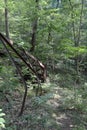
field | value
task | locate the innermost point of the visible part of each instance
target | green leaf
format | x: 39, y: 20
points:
x: 2, y: 114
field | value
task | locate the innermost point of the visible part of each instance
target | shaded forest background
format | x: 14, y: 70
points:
x: 55, y: 32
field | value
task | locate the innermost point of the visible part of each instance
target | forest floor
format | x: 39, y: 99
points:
x: 47, y: 112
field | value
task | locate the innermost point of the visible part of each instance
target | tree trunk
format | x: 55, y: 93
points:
x: 6, y: 20
x: 34, y: 30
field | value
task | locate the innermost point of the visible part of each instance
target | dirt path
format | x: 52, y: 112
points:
x: 61, y: 116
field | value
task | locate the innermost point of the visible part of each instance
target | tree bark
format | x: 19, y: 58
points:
x: 34, y: 30
x: 6, y: 20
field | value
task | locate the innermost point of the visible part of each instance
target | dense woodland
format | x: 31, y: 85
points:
x: 43, y: 64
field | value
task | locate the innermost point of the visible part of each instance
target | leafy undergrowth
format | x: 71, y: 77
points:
x: 2, y: 121
x: 58, y: 109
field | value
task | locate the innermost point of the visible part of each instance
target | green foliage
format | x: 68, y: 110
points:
x: 61, y: 43
x: 2, y: 121
x: 8, y: 80
x: 76, y: 98
x: 37, y: 101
